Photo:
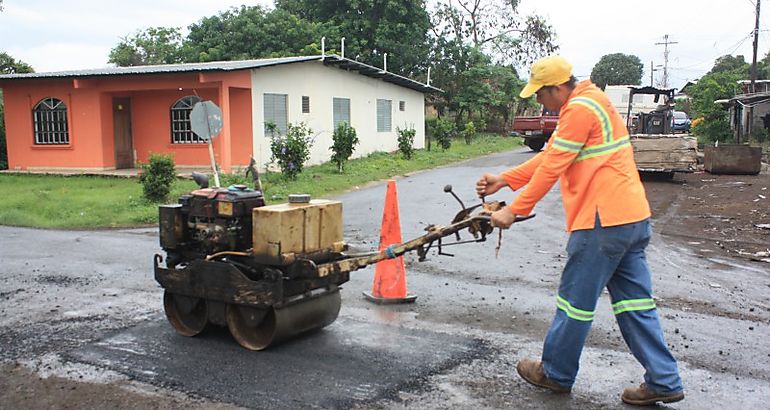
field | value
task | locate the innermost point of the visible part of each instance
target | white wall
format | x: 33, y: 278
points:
x: 323, y: 83
x: 618, y: 94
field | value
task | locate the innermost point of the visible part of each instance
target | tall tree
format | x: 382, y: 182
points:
x: 373, y: 28
x: 617, y: 69
x: 495, y: 27
x: 254, y: 32
x: 8, y: 65
x: 155, y: 45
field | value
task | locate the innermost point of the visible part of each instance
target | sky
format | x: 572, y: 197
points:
x: 55, y: 35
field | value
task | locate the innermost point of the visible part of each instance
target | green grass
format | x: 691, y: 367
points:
x: 85, y: 202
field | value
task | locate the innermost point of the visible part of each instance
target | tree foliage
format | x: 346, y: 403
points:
x: 617, y: 69
x: 495, y: 27
x: 254, y: 32
x: 715, y: 123
x: 730, y: 64
x: 155, y: 45
x: 471, y: 46
x: 9, y: 65
x: 373, y: 28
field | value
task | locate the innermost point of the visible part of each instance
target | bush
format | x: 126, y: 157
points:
x: 442, y: 131
x: 157, y: 176
x: 292, y: 150
x: 469, y: 132
x: 406, y: 141
x: 713, y: 127
x: 345, y: 141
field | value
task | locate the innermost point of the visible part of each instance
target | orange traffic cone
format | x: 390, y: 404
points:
x: 390, y: 275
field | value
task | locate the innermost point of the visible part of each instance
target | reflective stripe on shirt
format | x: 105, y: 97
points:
x: 601, y: 114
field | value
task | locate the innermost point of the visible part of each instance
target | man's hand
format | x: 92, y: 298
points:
x: 503, y: 218
x: 488, y: 184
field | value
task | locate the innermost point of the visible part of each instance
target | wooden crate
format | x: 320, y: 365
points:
x: 665, y: 152
x: 283, y: 231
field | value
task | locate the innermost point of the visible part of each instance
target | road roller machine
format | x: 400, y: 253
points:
x: 270, y: 272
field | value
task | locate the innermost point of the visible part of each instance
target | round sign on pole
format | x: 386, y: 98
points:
x: 206, y: 120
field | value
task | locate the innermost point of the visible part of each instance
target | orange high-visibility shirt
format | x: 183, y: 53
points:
x: 591, y: 154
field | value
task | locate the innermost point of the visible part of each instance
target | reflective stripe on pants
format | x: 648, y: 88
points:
x: 613, y: 257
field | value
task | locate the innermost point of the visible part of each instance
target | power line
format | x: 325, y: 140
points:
x: 732, y: 49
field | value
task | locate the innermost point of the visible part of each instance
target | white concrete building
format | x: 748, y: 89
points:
x: 322, y: 93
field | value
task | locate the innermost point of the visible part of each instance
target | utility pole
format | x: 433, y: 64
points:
x: 653, y: 69
x: 752, y: 89
x: 756, y: 44
x: 665, y: 43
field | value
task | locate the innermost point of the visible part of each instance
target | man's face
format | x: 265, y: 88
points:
x: 549, y: 96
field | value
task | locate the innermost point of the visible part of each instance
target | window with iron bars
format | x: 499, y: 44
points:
x: 50, y: 121
x: 181, y: 129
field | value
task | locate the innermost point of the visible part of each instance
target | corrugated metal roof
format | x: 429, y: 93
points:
x: 343, y: 63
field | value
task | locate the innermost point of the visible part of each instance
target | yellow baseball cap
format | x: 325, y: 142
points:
x: 552, y: 70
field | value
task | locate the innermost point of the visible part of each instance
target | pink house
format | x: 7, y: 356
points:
x: 112, y: 118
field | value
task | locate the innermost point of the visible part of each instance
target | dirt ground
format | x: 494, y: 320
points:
x: 716, y: 215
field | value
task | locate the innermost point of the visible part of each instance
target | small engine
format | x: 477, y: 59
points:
x: 207, y: 221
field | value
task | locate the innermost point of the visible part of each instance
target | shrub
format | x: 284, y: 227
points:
x: 292, y: 150
x: 469, y: 132
x: 157, y: 176
x: 345, y: 141
x: 406, y: 141
x: 443, y: 130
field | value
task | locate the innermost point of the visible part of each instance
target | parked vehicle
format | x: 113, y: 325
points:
x: 536, y: 130
x: 656, y: 148
x: 681, y: 122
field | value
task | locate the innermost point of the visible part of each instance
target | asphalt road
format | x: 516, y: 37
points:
x: 84, y: 306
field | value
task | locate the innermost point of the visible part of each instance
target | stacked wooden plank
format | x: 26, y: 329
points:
x: 665, y: 152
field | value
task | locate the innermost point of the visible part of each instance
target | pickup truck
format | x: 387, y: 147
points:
x: 535, y: 130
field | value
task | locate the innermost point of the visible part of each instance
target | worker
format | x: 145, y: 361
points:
x: 608, y: 218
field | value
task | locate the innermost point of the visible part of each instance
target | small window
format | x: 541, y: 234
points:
x: 340, y: 111
x: 50, y: 120
x: 384, y: 108
x: 275, y: 112
x: 181, y: 129
x: 305, y: 104
x: 402, y: 105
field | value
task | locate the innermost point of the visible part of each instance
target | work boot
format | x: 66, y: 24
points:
x: 532, y: 371
x: 643, y: 396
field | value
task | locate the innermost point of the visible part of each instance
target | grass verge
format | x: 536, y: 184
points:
x: 87, y: 202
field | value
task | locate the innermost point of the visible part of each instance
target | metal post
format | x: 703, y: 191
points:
x: 752, y: 89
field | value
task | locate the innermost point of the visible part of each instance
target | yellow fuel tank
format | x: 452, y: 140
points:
x: 281, y: 232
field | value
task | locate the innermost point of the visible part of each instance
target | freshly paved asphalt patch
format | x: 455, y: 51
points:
x: 349, y: 362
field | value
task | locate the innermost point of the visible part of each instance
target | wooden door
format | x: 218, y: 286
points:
x: 124, y: 146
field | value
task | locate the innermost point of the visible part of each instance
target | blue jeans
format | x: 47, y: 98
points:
x: 613, y: 257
